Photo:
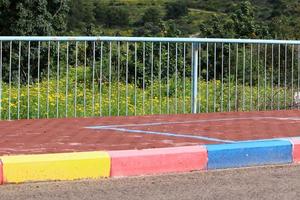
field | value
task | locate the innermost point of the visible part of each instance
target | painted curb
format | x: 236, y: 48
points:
x: 253, y: 153
x: 60, y: 166
x: 296, y: 149
x: 158, y: 161
x: 99, y: 164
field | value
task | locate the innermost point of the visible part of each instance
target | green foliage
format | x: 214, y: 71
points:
x: 151, y: 15
x: 149, y: 29
x: 245, y: 24
x: 81, y: 15
x: 117, y: 17
x: 162, y: 29
x: 75, y: 97
x: 232, y: 18
x: 284, y: 19
x: 241, y: 23
x: 100, y: 12
x: 33, y: 17
x: 176, y: 9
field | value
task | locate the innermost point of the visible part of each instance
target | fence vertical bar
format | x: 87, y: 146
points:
x: 258, y: 69
x: 244, y: 67
x: 222, y: 77
x: 100, y: 84
x: 272, y: 77
x: 57, y: 79
x: 76, y: 71
x: 93, y: 78
x: 236, y: 77
x: 285, y: 74
x: 48, y: 77
x: 195, y: 51
x: 298, y: 76
x: 84, y: 80
x: 152, y: 65
x: 168, y: 79
x: 67, y: 80
x: 19, y: 79
x: 265, y: 81
x: 215, y: 74
x: 207, y: 60
x: 229, y: 63
x: 10, y: 72
x: 176, y: 76
x: 144, y: 66
x: 109, y: 78
x: 251, y: 77
x: 184, y: 78
x: 39, y: 52
x: 159, y: 77
x: 135, y: 78
x: 199, y: 77
x: 292, y: 97
x: 127, y: 57
x: 278, y: 84
x: 118, y: 77
x: 28, y: 82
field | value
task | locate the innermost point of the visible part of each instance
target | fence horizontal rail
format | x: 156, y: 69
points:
x: 45, y: 77
x: 146, y: 39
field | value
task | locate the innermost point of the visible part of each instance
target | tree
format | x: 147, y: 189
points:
x: 116, y: 16
x: 279, y: 7
x: 100, y: 12
x: 149, y: 29
x: 176, y: 9
x: 244, y: 23
x: 151, y: 15
x: 82, y: 15
x: 33, y: 17
x: 30, y: 18
x: 240, y: 24
x: 217, y: 27
x: 162, y: 29
x: 284, y: 20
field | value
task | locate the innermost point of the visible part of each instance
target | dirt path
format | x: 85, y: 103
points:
x: 277, y: 182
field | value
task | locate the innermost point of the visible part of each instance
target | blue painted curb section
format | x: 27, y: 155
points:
x: 251, y: 153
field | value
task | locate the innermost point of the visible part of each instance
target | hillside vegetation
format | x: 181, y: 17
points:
x: 264, y: 18
x: 203, y: 18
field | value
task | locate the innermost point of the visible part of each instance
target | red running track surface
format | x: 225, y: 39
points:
x: 143, y: 132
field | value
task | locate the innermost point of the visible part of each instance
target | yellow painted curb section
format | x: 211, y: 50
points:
x: 61, y: 166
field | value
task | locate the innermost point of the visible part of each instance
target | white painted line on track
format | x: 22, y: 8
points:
x: 122, y: 127
x: 193, y: 121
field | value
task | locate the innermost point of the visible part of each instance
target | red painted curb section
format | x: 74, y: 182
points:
x: 157, y: 161
x: 1, y: 173
x: 296, y: 149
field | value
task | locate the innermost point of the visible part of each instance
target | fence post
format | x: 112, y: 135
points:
x: 194, y: 76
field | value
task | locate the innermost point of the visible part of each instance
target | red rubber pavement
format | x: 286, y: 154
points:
x: 143, y: 132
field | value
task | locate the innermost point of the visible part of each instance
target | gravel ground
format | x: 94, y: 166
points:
x: 272, y: 182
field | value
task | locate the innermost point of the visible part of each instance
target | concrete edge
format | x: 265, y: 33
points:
x: 158, y: 161
x: 249, y: 153
x: 15, y: 169
x: 57, y: 166
x: 296, y: 149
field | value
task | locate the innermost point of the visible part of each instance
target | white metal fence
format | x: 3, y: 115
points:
x: 43, y: 77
